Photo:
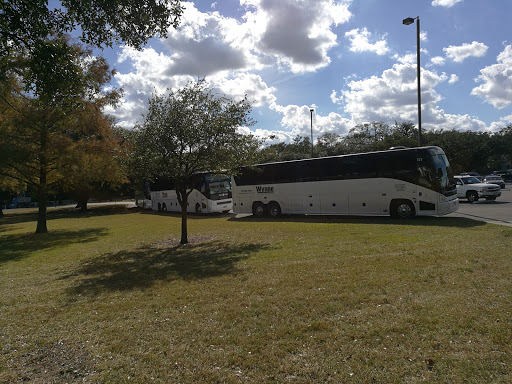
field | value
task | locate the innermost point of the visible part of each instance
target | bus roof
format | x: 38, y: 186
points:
x: 437, y: 149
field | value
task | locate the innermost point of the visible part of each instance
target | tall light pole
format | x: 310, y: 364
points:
x: 311, y: 110
x: 409, y: 21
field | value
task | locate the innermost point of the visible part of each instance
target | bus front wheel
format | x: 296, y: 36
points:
x: 402, y: 209
x: 199, y: 210
x: 274, y: 209
x: 258, y: 209
x: 164, y: 207
x: 159, y: 207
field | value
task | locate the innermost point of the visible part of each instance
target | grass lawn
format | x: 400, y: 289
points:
x: 110, y: 297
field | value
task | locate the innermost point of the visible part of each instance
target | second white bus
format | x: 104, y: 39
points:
x: 210, y: 194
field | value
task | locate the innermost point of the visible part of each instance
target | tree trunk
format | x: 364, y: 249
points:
x: 82, y: 205
x: 43, y: 203
x: 183, y: 199
x: 41, y: 217
x: 184, y: 234
x: 42, y: 187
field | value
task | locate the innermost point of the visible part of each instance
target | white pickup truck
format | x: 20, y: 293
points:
x: 469, y: 187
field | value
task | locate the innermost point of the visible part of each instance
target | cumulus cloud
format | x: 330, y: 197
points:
x: 453, y: 78
x: 295, y: 33
x: 208, y: 43
x: 150, y: 75
x: 445, y: 3
x: 245, y: 84
x: 437, y: 60
x: 335, y: 98
x: 496, y: 87
x: 462, y: 52
x: 393, y: 97
x: 298, y: 120
x: 360, y: 42
x: 409, y: 58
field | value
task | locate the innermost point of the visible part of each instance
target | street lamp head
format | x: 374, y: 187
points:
x: 408, y: 21
x: 311, y: 110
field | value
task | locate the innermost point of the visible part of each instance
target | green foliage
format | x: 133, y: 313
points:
x: 482, y: 152
x: 191, y: 130
x: 60, y: 139
x: 25, y: 22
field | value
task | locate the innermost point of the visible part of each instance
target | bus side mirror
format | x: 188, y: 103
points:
x: 439, y: 173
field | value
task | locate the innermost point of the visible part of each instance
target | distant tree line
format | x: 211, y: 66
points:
x: 481, y: 152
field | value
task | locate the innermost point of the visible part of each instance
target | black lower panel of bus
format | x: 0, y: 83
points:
x: 425, y: 206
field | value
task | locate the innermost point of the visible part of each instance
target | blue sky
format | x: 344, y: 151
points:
x: 353, y: 61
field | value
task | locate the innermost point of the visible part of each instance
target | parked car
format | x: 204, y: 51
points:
x: 494, y: 179
x: 469, y: 187
x: 474, y: 174
x: 506, y: 174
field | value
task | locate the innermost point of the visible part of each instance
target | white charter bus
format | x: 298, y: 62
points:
x: 210, y: 194
x: 399, y: 182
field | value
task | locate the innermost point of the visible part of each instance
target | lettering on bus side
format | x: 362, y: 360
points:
x: 261, y: 189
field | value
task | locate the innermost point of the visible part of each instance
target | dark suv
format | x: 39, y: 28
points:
x: 506, y: 174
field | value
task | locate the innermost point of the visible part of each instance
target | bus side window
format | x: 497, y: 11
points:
x: 359, y: 167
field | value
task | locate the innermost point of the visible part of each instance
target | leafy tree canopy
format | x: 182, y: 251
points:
x: 25, y: 22
x: 60, y: 137
x: 192, y: 130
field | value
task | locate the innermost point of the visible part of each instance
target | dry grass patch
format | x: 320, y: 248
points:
x: 114, y: 298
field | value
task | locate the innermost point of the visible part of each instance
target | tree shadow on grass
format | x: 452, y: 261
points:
x: 25, y: 216
x: 18, y: 246
x: 141, y: 268
x: 432, y: 221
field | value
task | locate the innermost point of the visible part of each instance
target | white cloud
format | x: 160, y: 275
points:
x: 297, y: 119
x: 453, y: 78
x: 462, y: 52
x: 445, y: 3
x: 360, y: 42
x: 335, y: 98
x: 209, y: 43
x: 498, y: 125
x: 151, y: 75
x: 393, y: 97
x: 293, y: 33
x: 496, y: 87
x: 437, y: 60
x: 296, y: 34
x: 257, y: 91
x: 409, y: 58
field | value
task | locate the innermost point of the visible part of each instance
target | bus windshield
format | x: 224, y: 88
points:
x: 217, y: 188
x: 444, y: 173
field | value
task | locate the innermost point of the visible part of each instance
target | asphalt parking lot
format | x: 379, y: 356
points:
x: 496, y: 212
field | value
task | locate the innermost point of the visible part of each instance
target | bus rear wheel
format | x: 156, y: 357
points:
x: 402, y: 209
x: 274, y: 209
x: 199, y: 210
x: 258, y: 209
x: 164, y: 207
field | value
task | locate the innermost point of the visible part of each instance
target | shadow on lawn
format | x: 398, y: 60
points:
x: 142, y: 267
x: 28, y: 215
x: 16, y: 247
x: 430, y: 221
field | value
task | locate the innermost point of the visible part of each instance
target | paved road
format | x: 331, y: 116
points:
x: 497, y: 212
